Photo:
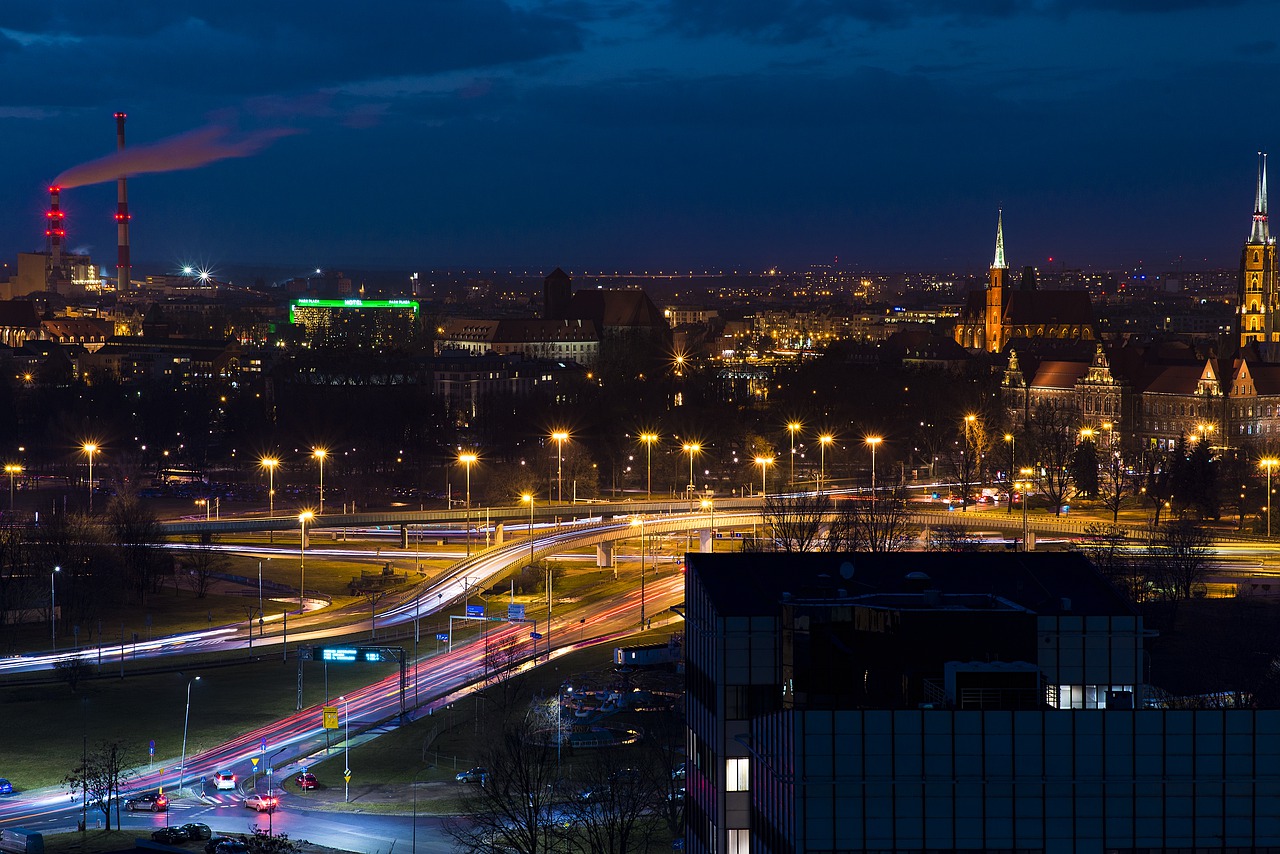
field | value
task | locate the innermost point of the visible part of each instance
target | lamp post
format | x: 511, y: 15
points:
x: 559, y: 727
x: 710, y: 506
x: 270, y: 463
x: 823, y: 441
x: 467, y: 458
x: 90, y: 448
x: 303, y: 518
x: 320, y: 454
x: 1111, y: 435
x: 346, y: 752
x: 648, y: 439
x: 182, y: 766
x: 692, y: 448
x: 560, y: 437
x: 1013, y: 463
x: 639, y: 520
x: 53, y: 607
x: 873, y: 441
x: 1268, y: 463
x: 764, y: 463
x: 1026, y: 487
x: 792, y: 428
x: 12, y: 469
x: 528, y: 497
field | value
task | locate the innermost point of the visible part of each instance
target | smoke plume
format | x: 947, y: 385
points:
x: 185, y: 151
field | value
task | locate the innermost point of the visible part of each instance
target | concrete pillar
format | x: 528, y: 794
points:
x: 1031, y: 541
x: 704, y: 540
x: 604, y: 554
x: 497, y: 533
x: 404, y: 536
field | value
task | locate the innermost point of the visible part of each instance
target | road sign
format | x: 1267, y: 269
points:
x: 264, y: 744
x: 475, y: 610
x: 442, y: 636
x: 152, y: 749
x: 254, y: 760
x: 346, y: 775
x: 515, y: 612
x: 536, y: 635
x: 330, y: 717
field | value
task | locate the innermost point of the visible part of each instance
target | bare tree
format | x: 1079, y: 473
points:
x: 1054, y: 429
x: 73, y: 670
x: 880, y: 523
x: 797, y: 522
x: 100, y: 776
x: 199, y: 565
x: 1107, y: 547
x: 951, y: 538
x: 1116, y: 484
x: 1178, y: 554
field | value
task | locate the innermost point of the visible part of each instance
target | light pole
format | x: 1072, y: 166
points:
x: 559, y: 437
x: 303, y: 518
x: 709, y: 505
x: 1268, y: 463
x: 528, y: 497
x: 12, y: 469
x: 692, y: 448
x: 792, y: 428
x: 559, y: 727
x: 467, y: 458
x: 873, y: 441
x: 1111, y: 435
x: 270, y: 463
x: 764, y: 463
x: 320, y: 454
x: 1026, y: 488
x: 346, y: 753
x: 182, y: 766
x: 1013, y: 463
x: 648, y: 439
x: 90, y: 448
x: 639, y: 520
x: 53, y: 607
x: 823, y: 441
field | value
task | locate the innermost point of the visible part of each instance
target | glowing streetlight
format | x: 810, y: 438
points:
x: 692, y: 448
x: 709, y: 505
x: 823, y: 441
x: 1013, y: 463
x: 648, y: 439
x: 1025, y: 486
x: 873, y: 441
x: 303, y: 518
x: 53, y: 607
x: 560, y: 437
x: 270, y: 463
x: 1268, y: 463
x: 792, y: 428
x: 764, y: 463
x: 1086, y: 434
x: 320, y: 454
x: 639, y: 520
x: 467, y: 459
x: 528, y: 497
x: 90, y: 448
x: 1111, y: 435
x: 182, y: 766
x: 12, y: 469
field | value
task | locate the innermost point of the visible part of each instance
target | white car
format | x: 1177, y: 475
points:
x: 224, y: 780
x: 262, y: 803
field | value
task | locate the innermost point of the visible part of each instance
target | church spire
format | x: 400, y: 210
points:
x: 1260, y: 234
x: 999, y: 264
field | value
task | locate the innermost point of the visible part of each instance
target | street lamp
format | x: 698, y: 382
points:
x: 53, y: 607
x: 559, y: 437
x: 1013, y: 463
x: 648, y: 439
x: 692, y: 448
x: 1111, y: 435
x: 90, y: 448
x: 873, y: 441
x: 467, y: 459
x: 1268, y: 463
x: 792, y: 428
x: 1025, y: 486
x: 320, y: 454
x: 764, y: 463
x: 269, y: 464
x: 303, y: 518
x: 346, y: 753
x: 182, y: 766
x: 1086, y: 434
x: 639, y: 520
x: 11, y: 469
x: 528, y: 497
x: 710, y: 506
x: 823, y: 441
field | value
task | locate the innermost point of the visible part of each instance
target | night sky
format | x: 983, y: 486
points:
x: 616, y: 135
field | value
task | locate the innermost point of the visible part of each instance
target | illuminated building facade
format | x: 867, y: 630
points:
x: 1258, y: 301
x: 355, y: 322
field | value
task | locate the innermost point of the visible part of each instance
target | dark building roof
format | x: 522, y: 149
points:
x: 19, y: 314
x: 617, y: 309
x: 1048, y: 584
x: 1070, y: 308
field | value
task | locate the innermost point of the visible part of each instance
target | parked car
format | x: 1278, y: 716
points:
x: 169, y: 835
x: 224, y: 845
x: 262, y: 803
x: 6, y: 788
x: 197, y: 830
x: 475, y: 775
x: 223, y: 780
x: 150, y: 802
x: 306, y: 781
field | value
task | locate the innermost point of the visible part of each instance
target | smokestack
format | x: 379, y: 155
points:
x: 54, y: 232
x: 122, y: 216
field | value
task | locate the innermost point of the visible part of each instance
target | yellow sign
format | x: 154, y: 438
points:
x: 254, y: 760
x: 330, y: 717
x: 346, y: 777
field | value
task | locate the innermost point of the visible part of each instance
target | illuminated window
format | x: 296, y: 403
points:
x: 736, y: 771
x: 739, y: 841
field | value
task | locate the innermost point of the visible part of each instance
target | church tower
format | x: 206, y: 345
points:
x: 1258, y: 303
x: 994, y: 336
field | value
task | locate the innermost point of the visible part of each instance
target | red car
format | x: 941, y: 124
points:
x: 306, y: 781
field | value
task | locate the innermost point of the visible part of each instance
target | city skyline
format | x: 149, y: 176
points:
x: 614, y: 135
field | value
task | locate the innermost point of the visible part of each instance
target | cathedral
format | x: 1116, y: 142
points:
x: 995, y: 317
x: 1257, y: 302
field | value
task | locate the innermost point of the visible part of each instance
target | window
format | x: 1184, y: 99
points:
x: 739, y: 841
x: 736, y: 771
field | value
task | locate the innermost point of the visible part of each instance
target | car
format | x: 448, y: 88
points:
x: 150, y: 802
x: 306, y: 781
x: 474, y: 775
x: 223, y: 780
x: 169, y: 835
x: 6, y: 788
x: 197, y: 830
x: 225, y: 845
x: 262, y: 803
